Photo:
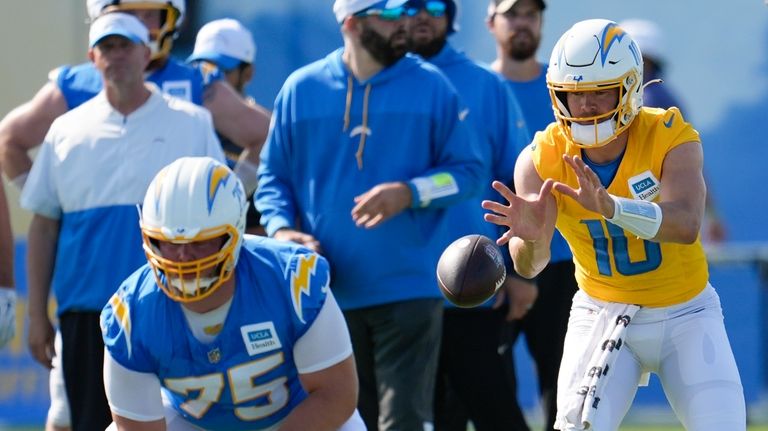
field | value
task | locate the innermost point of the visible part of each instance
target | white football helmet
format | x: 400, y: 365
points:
x: 592, y: 55
x: 193, y: 199
x: 162, y: 39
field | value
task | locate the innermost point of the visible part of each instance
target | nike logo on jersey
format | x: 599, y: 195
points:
x: 463, y: 114
x: 668, y: 123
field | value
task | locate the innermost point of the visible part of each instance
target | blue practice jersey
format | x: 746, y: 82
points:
x: 537, y: 110
x: 81, y: 82
x: 246, y: 378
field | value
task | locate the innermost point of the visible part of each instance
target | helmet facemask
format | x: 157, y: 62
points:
x: 604, y: 127
x: 196, y: 279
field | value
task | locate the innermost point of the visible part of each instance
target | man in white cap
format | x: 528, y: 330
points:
x: 367, y: 147
x: 92, y: 169
x: 227, y: 46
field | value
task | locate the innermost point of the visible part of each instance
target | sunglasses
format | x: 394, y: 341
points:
x: 392, y: 14
x: 435, y: 9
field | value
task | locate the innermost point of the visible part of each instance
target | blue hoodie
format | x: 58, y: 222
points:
x: 333, y: 138
x: 495, y: 116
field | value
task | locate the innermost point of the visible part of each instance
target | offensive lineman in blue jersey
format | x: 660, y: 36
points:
x: 244, y: 124
x: 221, y: 330
x: 463, y: 390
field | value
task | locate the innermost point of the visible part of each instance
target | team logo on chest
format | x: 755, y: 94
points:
x: 179, y: 89
x: 645, y: 186
x: 260, y: 338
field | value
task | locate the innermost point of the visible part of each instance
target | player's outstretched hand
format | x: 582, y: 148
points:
x: 523, y: 217
x: 591, y: 194
x: 7, y: 315
x: 380, y: 203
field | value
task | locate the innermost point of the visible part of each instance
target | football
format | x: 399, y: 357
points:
x: 470, y: 270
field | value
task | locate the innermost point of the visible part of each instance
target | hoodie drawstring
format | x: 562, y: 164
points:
x: 348, y: 104
x: 364, y: 134
x: 364, y: 129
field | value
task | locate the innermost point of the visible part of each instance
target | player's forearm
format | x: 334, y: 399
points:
x: 681, y: 223
x: 6, y: 243
x: 13, y: 154
x: 529, y: 257
x: 41, y: 253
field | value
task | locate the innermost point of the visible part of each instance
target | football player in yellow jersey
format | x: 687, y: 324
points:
x: 624, y: 185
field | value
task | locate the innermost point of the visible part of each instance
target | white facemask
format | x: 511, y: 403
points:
x: 589, y: 135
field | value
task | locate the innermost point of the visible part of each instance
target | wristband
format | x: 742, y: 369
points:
x: 642, y: 218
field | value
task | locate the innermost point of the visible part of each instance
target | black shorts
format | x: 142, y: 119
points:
x: 82, y: 358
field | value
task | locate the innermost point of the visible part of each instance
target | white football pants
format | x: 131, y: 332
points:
x: 685, y: 345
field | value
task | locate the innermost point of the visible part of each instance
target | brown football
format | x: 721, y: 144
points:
x: 470, y: 270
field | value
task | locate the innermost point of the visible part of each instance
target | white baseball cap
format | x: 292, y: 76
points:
x: 224, y: 42
x: 118, y: 24
x: 344, y: 8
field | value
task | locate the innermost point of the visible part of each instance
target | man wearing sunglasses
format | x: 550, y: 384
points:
x: 516, y: 27
x: 465, y: 390
x: 366, y: 149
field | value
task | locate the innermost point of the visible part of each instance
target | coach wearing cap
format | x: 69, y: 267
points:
x: 93, y: 168
x: 366, y: 148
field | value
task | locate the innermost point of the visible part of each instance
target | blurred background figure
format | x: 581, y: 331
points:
x: 652, y: 42
x: 516, y: 26
x: 226, y: 46
x: 465, y: 391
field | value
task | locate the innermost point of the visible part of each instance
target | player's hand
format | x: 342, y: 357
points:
x: 380, y: 203
x: 521, y: 295
x: 523, y: 217
x: 591, y: 194
x: 40, y: 340
x: 7, y: 315
x: 302, y: 238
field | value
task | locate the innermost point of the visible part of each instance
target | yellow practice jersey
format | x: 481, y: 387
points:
x: 612, y: 264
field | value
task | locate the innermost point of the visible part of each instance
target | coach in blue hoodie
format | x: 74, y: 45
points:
x: 367, y: 148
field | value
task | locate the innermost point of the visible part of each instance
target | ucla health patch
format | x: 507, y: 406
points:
x: 645, y: 186
x: 260, y: 338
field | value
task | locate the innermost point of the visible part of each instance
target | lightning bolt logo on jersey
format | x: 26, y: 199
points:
x: 302, y: 268
x: 246, y: 378
x: 611, y: 264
